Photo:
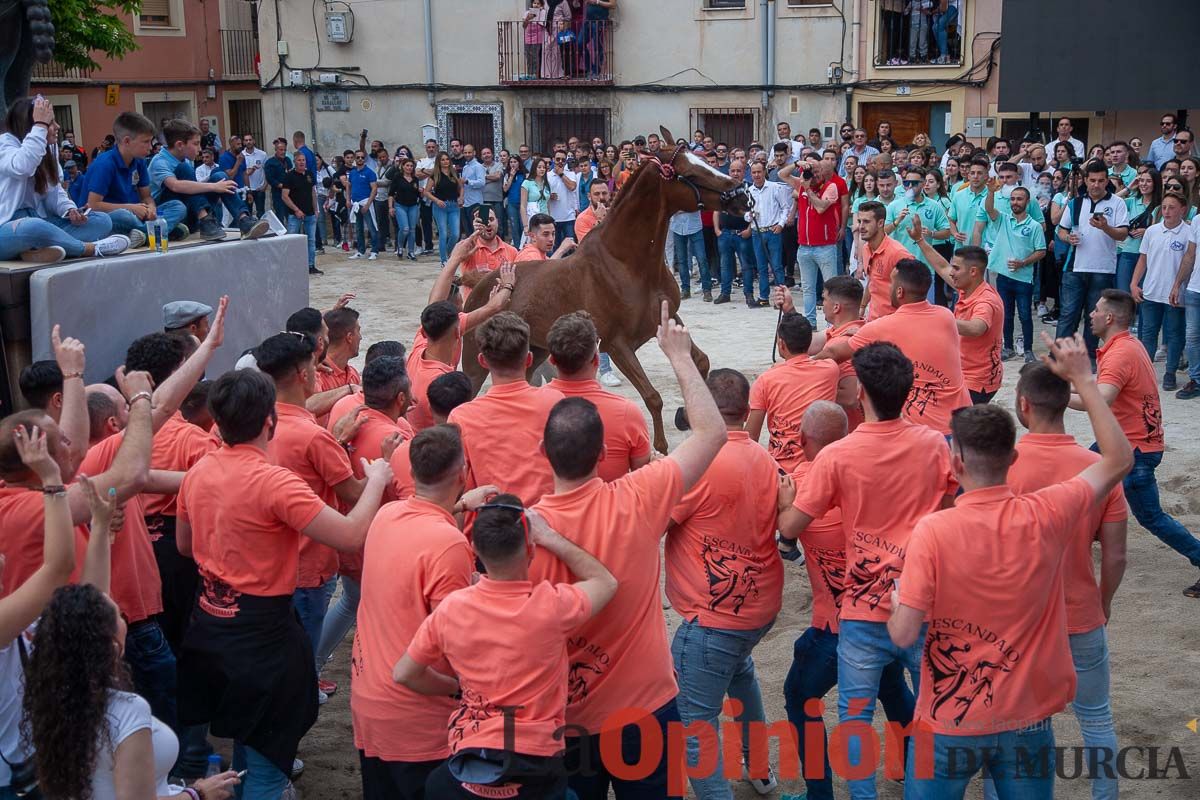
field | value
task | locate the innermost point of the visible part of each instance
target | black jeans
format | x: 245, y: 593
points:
x: 790, y: 246
x: 980, y: 398
x: 385, y: 224
x: 394, y: 780
x: 589, y: 778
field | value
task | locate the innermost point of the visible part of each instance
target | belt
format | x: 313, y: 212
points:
x: 764, y: 230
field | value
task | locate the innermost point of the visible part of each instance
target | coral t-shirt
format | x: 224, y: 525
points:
x: 415, y: 557
x: 989, y: 574
x: 884, y: 477
x: 178, y: 445
x: 136, y: 585
x: 402, y: 486
x: 310, y: 451
x: 824, y: 544
x: 723, y: 566
x: 332, y: 376
x: 928, y: 336
x: 878, y: 267
x: 523, y: 627
x: 1044, y: 459
x: 246, y: 516
x: 485, y: 260
x: 23, y: 537
x: 784, y: 392
x: 424, y: 371
x: 625, y: 434
x: 585, y: 222
x: 530, y: 252
x: 620, y: 659
x: 501, y: 434
x: 1124, y: 363
x: 983, y: 371
x: 855, y: 415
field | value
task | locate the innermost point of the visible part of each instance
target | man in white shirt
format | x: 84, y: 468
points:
x: 1162, y: 149
x: 207, y: 164
x: 785, y: 135
x: 256, y: 179
x: 1065, y: 129
x: 424, y: 168
x: 564, y: 199
x: 1186, y: 292
x: 1031, y: 161
x: 1092, y: 225
x: 772, y: 205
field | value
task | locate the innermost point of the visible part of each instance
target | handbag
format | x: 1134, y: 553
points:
x: 24, y: 779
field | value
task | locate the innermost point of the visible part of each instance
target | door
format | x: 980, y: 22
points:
x: 908, y: 119
x: 475, y: 129
x: 245, y: 116
x: 158, y: 112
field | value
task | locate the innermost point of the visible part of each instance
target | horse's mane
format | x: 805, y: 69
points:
x: 625, y: 190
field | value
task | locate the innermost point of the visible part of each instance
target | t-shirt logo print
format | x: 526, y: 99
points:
x: 1152, y: 418
x: 577, y: 680
x: 473, y: 710
x: 869, y: 587
x: 919, y: 399
x: 218, y: 598
x: 832, y: 565
x: 725, y: 581
x: 960, y: 677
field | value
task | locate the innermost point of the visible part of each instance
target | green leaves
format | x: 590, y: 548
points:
x: 82, y: 27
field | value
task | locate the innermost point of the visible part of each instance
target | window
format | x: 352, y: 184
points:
x: 65, y: 117
x: 156, y: 14
x: 544, y: 126
x: 245, y: 116
x: 926, y: 40
x: 737, y: 127
x: 724, y: 3
x: 476, y: 129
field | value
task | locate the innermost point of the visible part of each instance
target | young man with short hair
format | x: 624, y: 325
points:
x: 345, y: 338
x: 512, y: 461
x: 597, y: 209
x: 540, y: 246
x: 1045, y: 456
x: 884, y: 478
x: 1163, y: 254
x: 484, y: 252
x: 1125, y: 375
x: 880, y: 254
x: 620, y: 659
x: 360, y: 184
x: 913, y: 205
x: 987, y: 575
x: 574, y: 350
x: 118, y: 183
x: 967, y: 202
x: 1018, y: 244
x: 298, y: 193
x: 256, y: 180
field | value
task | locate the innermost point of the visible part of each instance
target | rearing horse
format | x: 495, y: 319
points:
x: 618, y: 273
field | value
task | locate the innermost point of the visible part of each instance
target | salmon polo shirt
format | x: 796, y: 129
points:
x: 784, y: 392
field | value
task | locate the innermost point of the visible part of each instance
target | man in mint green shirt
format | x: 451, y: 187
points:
x: 965, y: 204
x: 1117, y: 158
x: 1018, y: 242
x: 910, y: 203
x: 1008, y: 180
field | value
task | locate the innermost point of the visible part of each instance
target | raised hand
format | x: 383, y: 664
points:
x: 344, y: 300
x: 216, y: 332
x: 68, y: 353
x: 132, y: 383
x: 674, y: 340
x: 31, y: 447
x: 916, y: 230
x: 1068, y: 358
x: 508, y: 274
x: 389, y: 445
x: 103, y: 508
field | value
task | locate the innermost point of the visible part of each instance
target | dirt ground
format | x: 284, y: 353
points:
x: 1154, y: 634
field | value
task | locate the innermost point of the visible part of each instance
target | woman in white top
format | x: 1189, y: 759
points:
x: 38, y: 220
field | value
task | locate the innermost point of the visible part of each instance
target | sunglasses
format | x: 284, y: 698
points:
x: 1182, y: 141
x: 911, y: 184
x: 511, y: 507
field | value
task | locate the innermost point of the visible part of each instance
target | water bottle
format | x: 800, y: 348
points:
x: 214, y: 766
x: 163, y: 233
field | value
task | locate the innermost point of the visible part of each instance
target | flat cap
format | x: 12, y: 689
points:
x: 181, y: 313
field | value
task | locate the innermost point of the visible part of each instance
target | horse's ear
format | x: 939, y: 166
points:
x: 668, y: 139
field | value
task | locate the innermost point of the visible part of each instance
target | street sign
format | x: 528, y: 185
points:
x: 333, y: 100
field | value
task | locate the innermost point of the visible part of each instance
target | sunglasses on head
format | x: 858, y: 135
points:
x: 511, y: 507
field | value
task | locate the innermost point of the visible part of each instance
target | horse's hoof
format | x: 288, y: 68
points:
x: 681, y: 420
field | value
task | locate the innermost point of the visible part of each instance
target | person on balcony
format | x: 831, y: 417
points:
x: 595, y: 19
x: 534, y: 23
x: 554, y: 56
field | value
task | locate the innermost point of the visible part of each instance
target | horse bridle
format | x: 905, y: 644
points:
x: 668, y: 172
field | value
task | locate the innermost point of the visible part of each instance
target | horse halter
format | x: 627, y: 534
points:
x: 668, y: 172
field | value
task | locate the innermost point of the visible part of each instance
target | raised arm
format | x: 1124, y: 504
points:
x: 939, y: 264
x: 73, y: 422
x: 708, y: 428
x: 348, y: 533
x: 174, y: 390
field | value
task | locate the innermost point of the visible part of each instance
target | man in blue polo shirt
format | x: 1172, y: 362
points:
x: 360, y: 183
x: 119, y: 183
x: 233, y: 161
x: 310, y: 158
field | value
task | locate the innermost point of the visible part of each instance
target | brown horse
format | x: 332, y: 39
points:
x: 618, y: 273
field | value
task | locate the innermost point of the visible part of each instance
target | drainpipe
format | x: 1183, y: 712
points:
x: 850, y: 71
x: 312, y: 117
x: 765, y: 9
x: 429, y: 78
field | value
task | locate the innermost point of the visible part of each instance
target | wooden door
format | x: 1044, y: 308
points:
x: 908, y: 119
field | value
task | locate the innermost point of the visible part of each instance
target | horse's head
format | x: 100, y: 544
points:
x: 696, y: 186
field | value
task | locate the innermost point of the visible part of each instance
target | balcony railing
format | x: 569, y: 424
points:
x: 54, y: 72
x: 239, y: 53
x: 919, y: 40
x: 529, y: 56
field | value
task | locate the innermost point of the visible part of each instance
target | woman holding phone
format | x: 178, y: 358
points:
x: 514, y: 182
x: 535, y: 192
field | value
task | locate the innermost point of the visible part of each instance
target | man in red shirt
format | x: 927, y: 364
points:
x: 345, y: 336
x: 987, y: 574
x: 879, y: 256
x: 1045, y: 456
x: 540, y: 234
x: 1127, y: 382
x: 818, y: 226
x: 574, y: 351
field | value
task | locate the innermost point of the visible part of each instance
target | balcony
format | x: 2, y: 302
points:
x: 924, y: 40
x: 586, y: 60
x: 54, y: 72
x: 239, y: 54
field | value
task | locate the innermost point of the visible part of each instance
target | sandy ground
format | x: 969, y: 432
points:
x: 1153, y: 635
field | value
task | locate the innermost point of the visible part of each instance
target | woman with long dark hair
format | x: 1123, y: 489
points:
x: 1145, y: 196
x: 39, y: 221
x: 444, y: 191
x: 535, y: 191
x: 514, y: 179
x: 404, y: 203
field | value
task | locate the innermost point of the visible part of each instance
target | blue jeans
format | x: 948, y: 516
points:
x: 688, y: 247
x: 1171, y: 321
x: 124, y: 220
x: 364, y: 226
x: 1125, y: 266
x: 338, y: 621
x: 203, y: 203
x: 1078, y: 296
x: 813, y: 673
x: 768, y: 251
x: 447, y: 225
x: 823, y: 258
x: 1141, y: 492
x: 1089, y: 651
x: 26, y: 231
x: 512, y: 210
x: 1021, y: 763
x: 941, y: 28
x: 407, y: 218
x: 864, y: 651
x: 590, y: 780
x: 311, y: 605
x: 730, y: 243
x: 710, y: 663
x: 263, y: 780
x: 152, y: 666
x: 562, y: 230
x: 605, y: 363
x: 1191, y: 308
x: 309, y: 227
x: 1017, y: 297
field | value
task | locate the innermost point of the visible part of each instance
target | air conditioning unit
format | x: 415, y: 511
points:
x: 980, y: 127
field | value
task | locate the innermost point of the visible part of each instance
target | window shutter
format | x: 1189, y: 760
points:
x: 156, y: 12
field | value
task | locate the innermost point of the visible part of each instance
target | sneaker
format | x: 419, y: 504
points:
x: 355, y: 256
x: 721, y: 298
x: 1193, y: 590
x: 764, y: 785
x: 112, y: 245
x: 609, y: 378
x: 750, y: 302
x: 328, y: 687
x: 252, y: 228
x: 179, y: 233
x: 708, y: 297
x: 762, y: 303
x: 315, y: 271
x: 1169, y: 383
x: 1161, y: 355
x: 373, y: 257
x: 320, y: 251
x: 210, y: 230
x: 412, y: 256
x: 44, y: 255
x: 686, y: 294
x: 791, y: 552
x: 1030, y: 357
x: 345, y: 247
x: 1042, y: 310
x: 297, y: 768
x: 136, y: 238
x: 1190, y: 391
x: 1007, y: 353
x: 322, y: 698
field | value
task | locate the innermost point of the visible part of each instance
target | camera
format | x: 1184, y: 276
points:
x: 807, y: 174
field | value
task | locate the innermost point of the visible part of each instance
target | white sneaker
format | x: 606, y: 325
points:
x: 764, y: 785
x: 297, y: 768
x: 51, y: 254
x: 136, y: 238
x: 1042, y: 310
x: 354, y: 256
x: 112, y: 245
x: 322, y: 698
x: 1161, y: 355
x: 373, y: 257
x: 610, y: 378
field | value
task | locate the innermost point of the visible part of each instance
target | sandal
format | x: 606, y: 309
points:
x: 1193, y: 590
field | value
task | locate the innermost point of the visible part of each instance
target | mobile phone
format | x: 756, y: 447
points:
x: 485, y: 215
x: 1097, y: 215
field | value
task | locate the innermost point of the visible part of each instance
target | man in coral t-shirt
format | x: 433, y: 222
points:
x: 540, y: 234
x: 879, y: 255
x: 483, y: 253
x: 620, y: 660
x: 814, y: 665
x: 883, y: 478
x: 725, y: 577
x: 928, y: 337
x: 446, y: 393
x: 502, y: 429
x: 574, y: 350
x: 782, y: 394
x: 1045, y: 456
x: 345, y: 336
x: 987, y: 575
x: 594, y: 214
x: 1126, y: 377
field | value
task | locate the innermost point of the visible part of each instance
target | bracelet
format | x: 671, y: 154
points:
x: 141, y: 395
x: 69, y: 375
x: 192, y: 793
x: 508, y: 286
x: 56, y: 490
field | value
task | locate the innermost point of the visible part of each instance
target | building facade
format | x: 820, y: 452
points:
x: 194, y: 59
